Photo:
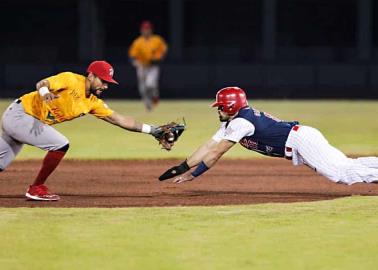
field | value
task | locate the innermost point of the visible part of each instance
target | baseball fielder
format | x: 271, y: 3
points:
x: 146, y: 54
x: 63, y: 97
x: 265, y: 134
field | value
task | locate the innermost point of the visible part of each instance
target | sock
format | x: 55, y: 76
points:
x: 50, y: 162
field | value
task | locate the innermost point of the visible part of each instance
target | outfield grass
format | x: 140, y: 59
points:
x: 349, y: 125
x: 338, y: 234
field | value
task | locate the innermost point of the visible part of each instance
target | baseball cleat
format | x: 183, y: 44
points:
x: 40, y: 193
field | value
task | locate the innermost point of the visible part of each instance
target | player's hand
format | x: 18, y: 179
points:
x: 184, y: 178
x: 48, y: 97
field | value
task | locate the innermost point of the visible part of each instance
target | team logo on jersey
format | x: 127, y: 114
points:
x: 75, y: 94
x: 249, y: 144
x: 111, y: 72
x: 268, y: 149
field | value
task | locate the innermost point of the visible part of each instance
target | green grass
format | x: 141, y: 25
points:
x: 338, y: 234
x: 349, y: 125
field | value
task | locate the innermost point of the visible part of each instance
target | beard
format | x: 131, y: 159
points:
x: 94, y: 92
x: 223, y: 118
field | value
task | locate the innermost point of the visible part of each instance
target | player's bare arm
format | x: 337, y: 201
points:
x: 125, y: 122
x: 209, y: 152
x: 43, y: 87
x: 212, y: 156
x: 200, y: 153
x: 217, y: 152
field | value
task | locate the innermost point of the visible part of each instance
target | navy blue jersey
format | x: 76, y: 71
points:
x: 270, y: 133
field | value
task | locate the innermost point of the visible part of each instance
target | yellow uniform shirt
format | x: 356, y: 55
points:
x: 146, y: 50
x: 71, y: 103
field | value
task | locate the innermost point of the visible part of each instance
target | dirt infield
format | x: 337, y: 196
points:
x: 134, y: 183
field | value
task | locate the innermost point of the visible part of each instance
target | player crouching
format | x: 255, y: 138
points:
x: 60, y: 98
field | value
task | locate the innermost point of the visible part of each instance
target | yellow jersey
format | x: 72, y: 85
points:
x: 71, y: 103
x: 146, y: 50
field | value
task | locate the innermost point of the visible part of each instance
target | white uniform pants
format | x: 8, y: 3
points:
x: 148, y: 83
x: 19, y: 128
x: 312, y: 149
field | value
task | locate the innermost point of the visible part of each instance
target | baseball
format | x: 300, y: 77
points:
x: 170, y: 137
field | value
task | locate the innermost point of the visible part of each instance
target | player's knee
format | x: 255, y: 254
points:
x: 64, y: 148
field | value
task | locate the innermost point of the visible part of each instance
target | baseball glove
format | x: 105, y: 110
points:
x: 168, y: 134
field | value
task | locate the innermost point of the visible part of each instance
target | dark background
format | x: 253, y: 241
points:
x: 272, y: 48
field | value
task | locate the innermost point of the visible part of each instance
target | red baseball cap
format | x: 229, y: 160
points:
x: 145, y: 25
x: 103, y: 70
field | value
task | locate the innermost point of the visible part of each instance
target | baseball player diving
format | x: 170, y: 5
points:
x: 60, y: 98
x: 261, y: 132
x: 146, y: 54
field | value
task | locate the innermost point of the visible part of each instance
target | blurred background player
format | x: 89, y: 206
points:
x: 268, y: 135
x: 146, y: 53
x: 57, y: 99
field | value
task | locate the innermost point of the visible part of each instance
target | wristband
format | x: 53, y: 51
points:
x: 201, y: 168
x: 43, y: 91
x: 146, y: 129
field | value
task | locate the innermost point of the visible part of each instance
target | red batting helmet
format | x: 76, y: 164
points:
x: 232, y: 99
x: 103, y: 70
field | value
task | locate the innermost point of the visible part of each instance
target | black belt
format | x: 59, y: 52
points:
x: 18, y: 101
